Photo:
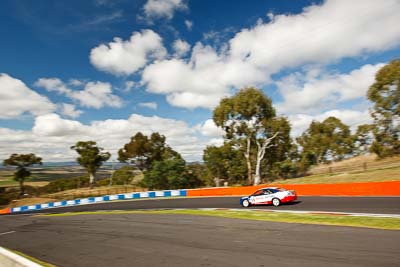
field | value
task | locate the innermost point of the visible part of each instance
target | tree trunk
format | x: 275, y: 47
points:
x: 257, y: 176
x: 91, y: 179
x: 248, y: 161
x: 21, y: 188
x: 261, y: 148
x: 216, y: 181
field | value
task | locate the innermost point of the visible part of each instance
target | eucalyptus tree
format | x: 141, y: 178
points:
x: 385, y: 94
x: 22, y: 162
x: 245, y: 118
x: 91, y: 157
x: 142, y: 151
x: 325, y: 141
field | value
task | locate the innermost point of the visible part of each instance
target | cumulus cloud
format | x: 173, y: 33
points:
x: 200, y: 82
x: 316, y: 90
x: 70, y: 111
x: 189, y: 24
x: 93, y: 95
x: 181, y: 47
x: 154, y: 9
x: 209, y: 129
x: 52, y: 136
x: 126, y: 57
x: 321, y: 34
x: 152, y: 105
x: 353, y: 118
x: 16, y: 99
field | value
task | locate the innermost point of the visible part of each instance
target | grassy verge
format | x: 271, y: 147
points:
x: 44, y: 264
x: 322, y: 219
x: 390, y: 174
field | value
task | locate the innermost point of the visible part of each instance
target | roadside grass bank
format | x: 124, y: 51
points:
x: 320, y: 219
x: 37, y: 261
x: 380, y: 175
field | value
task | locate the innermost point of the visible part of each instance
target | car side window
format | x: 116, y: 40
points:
x: 267, y: 192
x: 258, y: 192
x: 273, y: 191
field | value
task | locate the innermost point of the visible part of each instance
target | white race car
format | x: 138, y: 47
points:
x: 269, y: 195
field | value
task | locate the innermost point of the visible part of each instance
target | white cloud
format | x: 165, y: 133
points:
x: 97, y: 95
x: 152, y: 105
x: 189, y: 24
x: 202, y: 81
x: 70, y: 111
x: 163, y: 8
x: 181, y: 47
x: 53, y: 125
x: 94, y: 94
x: 75, y: 82
x: 353, y: 118
x: 16, y: 99
x: 321, y: 34
x: 209, y: 129
x: 316, y: 90
x: 52, y: 136
x: 129, y: 85
x: 126, y: 57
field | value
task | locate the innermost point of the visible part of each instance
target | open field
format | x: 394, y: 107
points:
x: 41, y: 176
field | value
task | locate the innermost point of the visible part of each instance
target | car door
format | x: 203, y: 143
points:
x: 257, y: 197
x: 268, y: 196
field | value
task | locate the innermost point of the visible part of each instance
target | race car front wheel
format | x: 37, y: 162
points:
x: 245, y: 203
x: 276, y: 202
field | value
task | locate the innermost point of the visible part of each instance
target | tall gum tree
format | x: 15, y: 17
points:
x: 244, y: 118
x: 91, y: 157
x: 22, y: 162
x: 385, y: 94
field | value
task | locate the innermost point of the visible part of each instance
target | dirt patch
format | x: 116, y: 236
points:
x: 30, y: 201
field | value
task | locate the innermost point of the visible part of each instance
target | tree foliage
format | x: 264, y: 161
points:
x: 142, y: 151
x: 22, y: 162
x: 385, y: 94
x: 123, y: 175
x: 91, y: 157
x: 170, y: 173
x: 363, y: 139
x: 326, y: 141
x: 281, y: 160
x: 225, y: 163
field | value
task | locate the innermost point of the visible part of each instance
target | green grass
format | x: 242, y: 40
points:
x: 44, y: 264
x: 321, y: 219
x: 380, y: 175
x: 7, y: 183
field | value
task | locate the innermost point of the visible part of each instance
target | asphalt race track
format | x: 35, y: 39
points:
x: 387, y: 205
x: 185, y: 240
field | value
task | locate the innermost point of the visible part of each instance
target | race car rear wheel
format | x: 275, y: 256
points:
x: 276, y: 202
x: 245, y: 203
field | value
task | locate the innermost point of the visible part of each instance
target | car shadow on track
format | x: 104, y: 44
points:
x: 270, y: 205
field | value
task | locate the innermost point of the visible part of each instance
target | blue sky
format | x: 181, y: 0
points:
x: 65, y: 75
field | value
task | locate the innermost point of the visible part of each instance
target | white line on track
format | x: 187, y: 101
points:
x: 6, y: 233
